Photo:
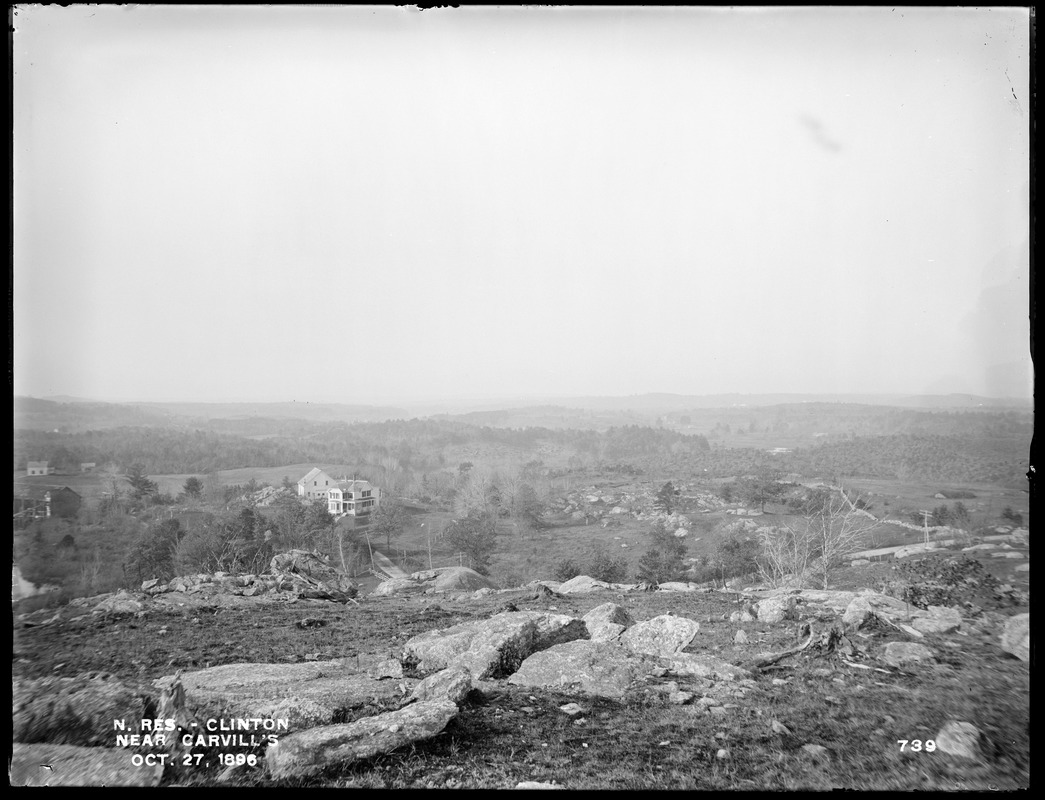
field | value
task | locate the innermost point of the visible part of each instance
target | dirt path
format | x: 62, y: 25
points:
x: 383, y: 563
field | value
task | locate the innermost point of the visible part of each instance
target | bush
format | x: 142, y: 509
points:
x: 567, y: 569
x: 603, y: 567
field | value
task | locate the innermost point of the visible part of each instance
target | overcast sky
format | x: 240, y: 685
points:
x: 379, y: 204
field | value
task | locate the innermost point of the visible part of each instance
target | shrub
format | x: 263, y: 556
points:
x: 603, y: 567
x: 567, y: 569
x: 939, y: 581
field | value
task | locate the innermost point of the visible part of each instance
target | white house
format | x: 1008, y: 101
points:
x: 315, y: 485
x: 39, y: 468
x: 355, y: 497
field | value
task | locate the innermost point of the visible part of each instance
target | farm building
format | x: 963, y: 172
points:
x: 87, y: 466
x: 315, y: 485
x: 354, y: 497
x: 38, y: 468
x: 41, y: 502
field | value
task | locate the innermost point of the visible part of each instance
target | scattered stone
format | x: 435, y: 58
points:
x: 817, y: 752
x: 722, y: 754
x: 49, y: 764
x: 779, y: 727
x: 740, y: 638
x: 776, y: 609
x: 859, y: 562
x: 1023, y: 568
x: 309, y: 752
x: 311, y: 622
x: 961, y: 739
x: 310, y: 575
x: 571, y: 709
x: 537, y: 785
x: 902, y: 654
x: 1015, y: 638
x: 704, y: 666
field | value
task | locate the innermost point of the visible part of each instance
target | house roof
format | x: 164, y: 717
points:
x: 310, y: 474
x: 32, y: 464
x: 346, y: 485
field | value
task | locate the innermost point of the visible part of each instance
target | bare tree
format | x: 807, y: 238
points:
x: 828, y: 534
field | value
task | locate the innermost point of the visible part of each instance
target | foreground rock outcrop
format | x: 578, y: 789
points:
x: 310, y: 752
x: 68, y: 765
x: 78, y: 710
x: 493, y: 647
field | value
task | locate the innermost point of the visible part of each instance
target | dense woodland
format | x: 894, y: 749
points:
x: 988, y: 449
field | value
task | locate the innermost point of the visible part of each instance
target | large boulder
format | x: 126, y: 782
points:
x: 594, y: 668
x: 661, y: 636
x: 862, y: 607
x: 607, y: 622
x: 305, y: 695
x: 68, y: 765
x: 308, y: 753
x: 492, y: 647
x: 78, y: 710
x: 310, y: 575
x: 1015, y: 638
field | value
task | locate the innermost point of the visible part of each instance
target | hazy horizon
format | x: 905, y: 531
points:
x: 353, y: 205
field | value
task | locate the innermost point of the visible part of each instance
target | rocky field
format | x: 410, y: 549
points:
x: 442, y: 681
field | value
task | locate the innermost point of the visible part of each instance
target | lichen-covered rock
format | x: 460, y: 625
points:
x: 309, y: 752
x: 593, y: 668
x: 306, y: 694
x: 607, y: 622
x: 453, y: 684
x: 663, y: 636
x: 492, y: 647
x: 776, y: 609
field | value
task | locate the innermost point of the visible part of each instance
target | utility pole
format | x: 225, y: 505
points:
x: 925, y: 523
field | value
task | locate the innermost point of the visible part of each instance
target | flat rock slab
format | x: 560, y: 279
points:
x: 309, y: 752
x: 704, y: 666
x: 493, y: 647
x: 961, y: 739
x: 305, y: 695
x: 583, y: 584
x: 69, y: 765
x: 593, y: 668
x: 662, y: 636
